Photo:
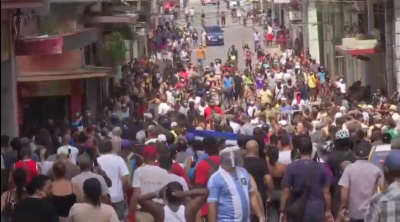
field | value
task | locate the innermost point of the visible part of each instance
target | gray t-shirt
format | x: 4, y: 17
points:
x: 247, y: 129
x: 82, y: 177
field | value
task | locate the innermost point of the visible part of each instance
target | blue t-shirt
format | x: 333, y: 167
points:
x: 228, y: 82
x: 295, y: 176
x: 321, y: 77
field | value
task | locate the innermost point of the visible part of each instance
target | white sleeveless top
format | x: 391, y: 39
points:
x: 178, y: 216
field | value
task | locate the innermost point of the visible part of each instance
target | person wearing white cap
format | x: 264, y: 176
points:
x: 162, y: 138
x: 394, y: 113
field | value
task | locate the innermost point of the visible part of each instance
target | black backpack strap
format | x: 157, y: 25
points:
x: 212, y: 164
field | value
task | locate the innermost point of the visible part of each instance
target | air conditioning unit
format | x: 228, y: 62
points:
x: 295, y: 16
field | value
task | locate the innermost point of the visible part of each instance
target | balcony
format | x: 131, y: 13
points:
x: 354, y: 46
x: 56, y: 44
x: 14, y: 4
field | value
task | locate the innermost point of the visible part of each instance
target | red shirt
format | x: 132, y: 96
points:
x: 208, y: 111
x: 179, y: 171
x: 202, y: 174
x: 31, y: 167
x: 184, y: 75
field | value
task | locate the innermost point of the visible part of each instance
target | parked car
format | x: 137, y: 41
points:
x: 215, y: 35
x: 206, y: 2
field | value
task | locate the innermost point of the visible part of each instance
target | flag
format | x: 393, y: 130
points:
x: 230, y: 138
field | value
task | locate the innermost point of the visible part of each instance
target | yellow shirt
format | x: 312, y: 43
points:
x: 312, y: 83
x: 266, y: 96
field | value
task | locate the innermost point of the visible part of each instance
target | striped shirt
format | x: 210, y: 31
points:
x: 385, y: 206
x: 230, y: 192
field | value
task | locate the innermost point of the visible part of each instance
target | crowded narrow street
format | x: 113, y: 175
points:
x: 200, y: 111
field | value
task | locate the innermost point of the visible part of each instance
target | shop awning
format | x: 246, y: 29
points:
x: 121, y: 18
x: 84, y: 73
x: 357, y: 51
x: 14, y: 4
x: 55, y: 44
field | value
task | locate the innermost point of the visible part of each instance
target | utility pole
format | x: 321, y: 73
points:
x: 304, y: 20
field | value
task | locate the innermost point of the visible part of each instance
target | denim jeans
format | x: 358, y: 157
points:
x: 120, y: 208
x: 200, y: 61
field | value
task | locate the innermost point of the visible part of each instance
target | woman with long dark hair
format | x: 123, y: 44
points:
x: 35, y: 207
x: 10, y: 198
x: 92, y: 209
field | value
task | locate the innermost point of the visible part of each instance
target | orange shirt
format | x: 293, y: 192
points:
x: 201, y: 53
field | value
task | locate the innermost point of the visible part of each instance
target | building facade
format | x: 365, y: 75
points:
x: 359, y: 42
x: 52, y: 66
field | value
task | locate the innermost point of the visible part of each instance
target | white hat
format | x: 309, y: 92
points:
x: 283, y: 98
x: 337, y: 115
x: 148, y: 115
x: 162, y: 138
x: 342, y: 108
x: 64, y: 150
x: 283, y: 122
x: 393, y: 108
x: 173, y: 124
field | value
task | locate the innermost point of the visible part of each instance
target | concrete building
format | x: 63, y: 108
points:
x: 359, y: 42
x: 52, y: 62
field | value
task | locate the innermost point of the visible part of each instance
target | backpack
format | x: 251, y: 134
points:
x: 132, y: 163
x: 297, y: 202
x: 214, y: 167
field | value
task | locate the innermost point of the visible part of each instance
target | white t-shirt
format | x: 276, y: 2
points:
x: 201, y: 109
x: 342, y: 87
x: 150, y: 179
x: 287, y: 76
x: 396, y: 117
x: 279, y: 75
x: 176, y: 178
x: 284, y: 157
x: 170, y: 97
x: 195, y: 100
x: 191, y: 11
x: 256, y: 37
x: 163, y: 109
x: 115, y: 168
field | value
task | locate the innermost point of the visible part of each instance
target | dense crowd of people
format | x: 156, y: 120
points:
x: 183, y: 141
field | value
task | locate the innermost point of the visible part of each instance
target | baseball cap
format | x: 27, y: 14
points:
x: 126, y: 145
x: 363, y: 149
x: 392, y: 160
x: 149, y: 150
x: 162, y: 138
